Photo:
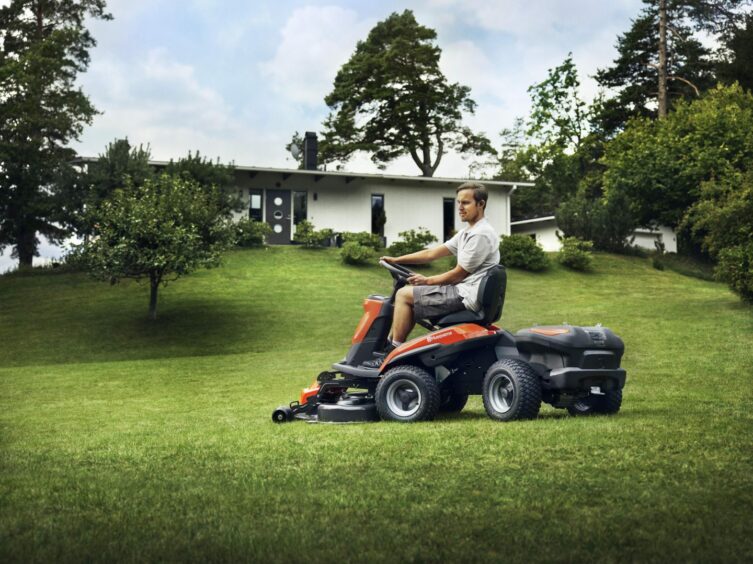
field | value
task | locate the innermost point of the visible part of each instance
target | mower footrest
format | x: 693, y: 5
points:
x: 359, y: 371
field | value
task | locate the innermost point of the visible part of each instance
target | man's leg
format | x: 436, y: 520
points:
x: 402, y: 320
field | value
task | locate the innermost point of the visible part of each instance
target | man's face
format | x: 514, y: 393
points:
x: 468, y: 208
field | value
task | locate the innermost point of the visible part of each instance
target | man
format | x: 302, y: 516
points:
x: 477, y: 250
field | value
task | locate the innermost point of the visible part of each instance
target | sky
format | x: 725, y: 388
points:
x: 234, y: 79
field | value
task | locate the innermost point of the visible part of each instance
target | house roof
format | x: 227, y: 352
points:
x: 534, y: 220
x: 350, y: 176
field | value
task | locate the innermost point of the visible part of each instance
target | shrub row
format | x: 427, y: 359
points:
x: 518, y: 251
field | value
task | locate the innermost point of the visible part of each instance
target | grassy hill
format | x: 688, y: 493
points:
x: 123, y: 439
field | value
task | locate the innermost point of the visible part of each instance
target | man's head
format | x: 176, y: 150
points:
x: 471, y: 199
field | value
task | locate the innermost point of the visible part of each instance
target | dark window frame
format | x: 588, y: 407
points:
x: 377, y: 231
x: 251, y: 193
x: 305, y: 193
x: 447, y: 232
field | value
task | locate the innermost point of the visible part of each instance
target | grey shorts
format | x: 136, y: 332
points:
x: 433, y: 301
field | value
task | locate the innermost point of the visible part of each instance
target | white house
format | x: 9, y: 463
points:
x: 348, y: 201
x: 544, y: 230
x: 345, y: 201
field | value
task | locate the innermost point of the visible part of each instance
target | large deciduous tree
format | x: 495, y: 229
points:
x: 660, y: 165
x: 391, y: 99
x: 160, y: 230
x: 44, y: 46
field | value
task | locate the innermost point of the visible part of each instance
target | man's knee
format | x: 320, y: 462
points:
x: 405, y: 294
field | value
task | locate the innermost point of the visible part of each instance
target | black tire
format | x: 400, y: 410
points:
x: 452, y: 402
x: 407, y: 393
x: 282, y: 414
x: 607, y: 404
x: 511, y: 391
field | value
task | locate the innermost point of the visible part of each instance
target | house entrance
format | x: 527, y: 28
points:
x: 278, y: 216
x: 448, y: 212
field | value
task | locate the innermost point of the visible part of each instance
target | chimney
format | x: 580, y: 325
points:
x: 310, y: 148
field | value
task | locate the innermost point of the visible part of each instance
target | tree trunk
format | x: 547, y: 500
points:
x: 26, y: 248
x: 662, y: 59
x: 154, y: 280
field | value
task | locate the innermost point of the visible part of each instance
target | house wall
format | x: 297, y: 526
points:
x: 346, y: 206
x: 645, y: 238
x: 545, y: 233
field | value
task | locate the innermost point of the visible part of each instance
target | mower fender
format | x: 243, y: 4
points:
x: 437, y: 347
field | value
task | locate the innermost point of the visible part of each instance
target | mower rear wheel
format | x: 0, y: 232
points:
x: 606, y: 404
x: 452, y: 402
x: 407, y: 393
x: 511, y: 390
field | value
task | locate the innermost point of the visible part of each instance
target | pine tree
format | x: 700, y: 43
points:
x: 44, y: 46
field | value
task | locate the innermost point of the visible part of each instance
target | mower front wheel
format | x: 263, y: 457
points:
x: 407, y: 393
x: 282, y: 414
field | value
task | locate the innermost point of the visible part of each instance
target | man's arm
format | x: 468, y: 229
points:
x: 457, y: 274
x: 421, y: 257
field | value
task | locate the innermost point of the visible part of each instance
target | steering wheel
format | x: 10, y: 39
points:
x: 398, y: 272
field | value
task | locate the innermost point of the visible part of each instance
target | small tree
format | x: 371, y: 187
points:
x: 608, y: 222
x: 161, y: 230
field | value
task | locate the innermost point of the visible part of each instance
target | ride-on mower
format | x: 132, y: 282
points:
x: 577, y: 368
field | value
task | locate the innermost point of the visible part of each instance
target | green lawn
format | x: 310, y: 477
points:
x: 122, y: 439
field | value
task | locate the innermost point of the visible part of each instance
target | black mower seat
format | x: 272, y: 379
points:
x: 491, y: 296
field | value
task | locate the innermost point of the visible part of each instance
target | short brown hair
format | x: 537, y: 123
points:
x: 480, y: 193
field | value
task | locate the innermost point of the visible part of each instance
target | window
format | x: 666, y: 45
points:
x: 448, y: 213
x: 300, y: 207
x: 255, y: 210
x: 378, y: 217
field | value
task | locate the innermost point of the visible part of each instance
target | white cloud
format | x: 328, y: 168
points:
x: 535, y: 20
x: 159, y: 101
x: 315, y: 42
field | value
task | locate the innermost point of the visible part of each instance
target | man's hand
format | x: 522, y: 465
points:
x: 418, y: 280
x: 388, y: 259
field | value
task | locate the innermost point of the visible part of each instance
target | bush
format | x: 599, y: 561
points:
x: 353, y: 253
x: 252, y: 233
x: 576, y: 253
x: 608, y: 223
x: 363, y: 238
x: 735, y: 267
x: 521, y: 251
x: 413, y: 241
x: 306, y: 235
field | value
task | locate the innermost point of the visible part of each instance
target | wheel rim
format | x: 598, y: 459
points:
x: 502, y: 393
x: 403, y: 398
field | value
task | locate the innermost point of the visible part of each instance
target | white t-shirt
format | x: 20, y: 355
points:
x: 477, y: 249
